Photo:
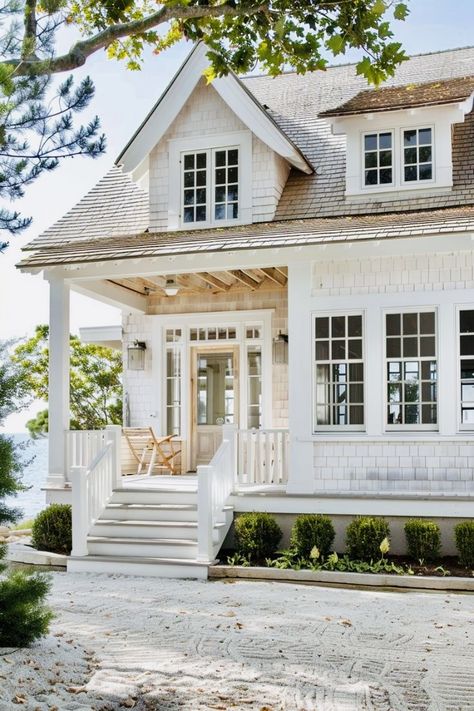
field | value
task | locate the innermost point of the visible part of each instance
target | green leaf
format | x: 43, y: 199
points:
x: 401, y: 11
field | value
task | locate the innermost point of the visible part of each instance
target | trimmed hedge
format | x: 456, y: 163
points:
x: 464, y: 536
x: 257, y: 535
x: 52, y: 529
x: 423, y: 539
x: 311, y: 530
x: 363, y: 537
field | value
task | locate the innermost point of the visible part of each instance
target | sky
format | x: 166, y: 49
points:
x: 122, y: 100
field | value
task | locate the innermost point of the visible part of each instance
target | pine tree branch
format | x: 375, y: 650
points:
x: 80, y: 51
x: 29, y: 38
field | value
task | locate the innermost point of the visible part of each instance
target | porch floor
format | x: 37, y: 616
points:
x: 188, y: 482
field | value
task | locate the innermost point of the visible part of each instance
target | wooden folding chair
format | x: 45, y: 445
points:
x: 151, y: 451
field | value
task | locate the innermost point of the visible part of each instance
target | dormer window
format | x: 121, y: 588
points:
x: 417, y: 154
x: 210, y: 181
x: 211, y: 194
x: 399, y: 138
x: 378, y: 158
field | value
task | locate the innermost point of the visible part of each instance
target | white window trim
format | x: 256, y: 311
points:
x: 403, y: 310
x: 176, y: 147
x: 460, y: 425
x: 384, y: 186
x: 317, y: 429
x: 407, y: 184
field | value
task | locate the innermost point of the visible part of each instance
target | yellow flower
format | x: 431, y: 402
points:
x: 385, y: 546
x: 314, y: 553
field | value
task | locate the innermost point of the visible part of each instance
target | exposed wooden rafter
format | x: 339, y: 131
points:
x: 252, y: 283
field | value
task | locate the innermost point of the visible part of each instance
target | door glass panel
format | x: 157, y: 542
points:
x: 215, y: 389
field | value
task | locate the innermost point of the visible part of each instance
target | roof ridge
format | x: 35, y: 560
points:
x: 353, y: 64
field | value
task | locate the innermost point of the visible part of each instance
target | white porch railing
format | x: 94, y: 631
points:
x: 215, y: 484
x: 262, y: 457
x: 83, y: 446
x: 93, y: 481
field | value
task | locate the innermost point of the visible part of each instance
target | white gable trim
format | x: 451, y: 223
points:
x: 231, y: 90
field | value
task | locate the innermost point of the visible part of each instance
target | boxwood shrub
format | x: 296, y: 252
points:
x: 52, y: 529
x: 464, y: 536
x: 311, y: 530
x: 257, y: 535
x: 363, y: 537
x: 423, y: 539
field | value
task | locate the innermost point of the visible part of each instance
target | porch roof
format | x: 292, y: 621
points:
x: 266, y: 235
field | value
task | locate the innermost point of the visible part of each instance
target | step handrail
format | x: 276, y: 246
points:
x: 93, y: 486
x: 215, y: 485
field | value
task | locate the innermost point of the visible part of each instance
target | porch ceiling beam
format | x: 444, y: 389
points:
x: 112, y: 294
x: 275, y: 275
x: 213, y: 281
x: 188, y: 282
x: 245, y: 279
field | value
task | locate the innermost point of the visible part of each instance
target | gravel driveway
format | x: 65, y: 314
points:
x: 143, y: 643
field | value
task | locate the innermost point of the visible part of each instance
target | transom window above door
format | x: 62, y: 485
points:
x: 210, y: 186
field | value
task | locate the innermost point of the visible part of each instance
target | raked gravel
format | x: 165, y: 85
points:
x: 121, y: 642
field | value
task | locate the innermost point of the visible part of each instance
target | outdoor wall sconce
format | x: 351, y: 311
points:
x: 136, y: 355
x: 280, y: 349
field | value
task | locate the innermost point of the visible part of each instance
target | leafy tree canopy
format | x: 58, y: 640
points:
x: 36, y: 133
x: 96, y: 387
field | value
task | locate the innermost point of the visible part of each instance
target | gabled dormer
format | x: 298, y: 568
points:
x: 399, y: 138
x: 210, y: 155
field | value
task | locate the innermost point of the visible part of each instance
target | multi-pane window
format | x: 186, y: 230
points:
x: 195, y: 187
x: 210, y: 191
x: 417, y: 154
x: 410, y: 340
x: 466, y: 353
x: 226, y: 184
x: 339, y: 370
x: 254, y: 386
x: 173, y: 391
x: 378, y: 158
x: 213, y: 333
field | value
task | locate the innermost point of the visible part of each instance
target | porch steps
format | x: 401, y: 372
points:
x: 149, y: 531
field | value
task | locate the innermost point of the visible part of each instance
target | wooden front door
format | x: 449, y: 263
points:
x: 215, y: 398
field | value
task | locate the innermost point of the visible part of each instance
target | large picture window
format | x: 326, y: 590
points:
x: 466, y: 354
x: 339, y: 366
x: 411, y: 369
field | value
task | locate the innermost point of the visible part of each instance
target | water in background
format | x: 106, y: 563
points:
x: 34, y: 476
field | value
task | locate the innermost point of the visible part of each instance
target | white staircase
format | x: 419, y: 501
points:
x: 149, y: 531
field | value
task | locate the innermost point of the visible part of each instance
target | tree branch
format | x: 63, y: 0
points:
x: 80, y: 51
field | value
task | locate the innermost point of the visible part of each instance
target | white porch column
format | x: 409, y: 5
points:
x: 58, y: 403
x: 301, y: 474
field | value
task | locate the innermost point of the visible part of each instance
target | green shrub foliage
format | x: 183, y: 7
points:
x: 257, y: 535
x: 464, y: 536
x: 23, y: 615
x: 364, y: 536
x: 311, y: 530
x: 423, y: 539
x: 52, y: 529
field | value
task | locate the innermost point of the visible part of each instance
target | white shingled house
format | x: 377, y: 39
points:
x: 293, y: 258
